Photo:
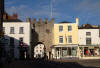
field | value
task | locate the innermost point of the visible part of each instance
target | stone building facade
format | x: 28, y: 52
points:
x: 42, y: 32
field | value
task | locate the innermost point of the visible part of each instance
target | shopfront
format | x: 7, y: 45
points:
x: 64, y: 51
x: 89, y: 52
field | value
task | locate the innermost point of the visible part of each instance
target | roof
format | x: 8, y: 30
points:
x: 65, y: 22
x: 9, y: 18
x: 13, y: 20
x: 89, y: 26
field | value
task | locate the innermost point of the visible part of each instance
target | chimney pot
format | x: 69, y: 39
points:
x: 34, y: 20
x: 52, y: 20
x: 29, y: 20
x: 46, y: 20
x: 15, y: 15
x: 77, y: 21
x: 40, y: 20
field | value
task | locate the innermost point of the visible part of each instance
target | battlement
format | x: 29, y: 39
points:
x: 40, y: 20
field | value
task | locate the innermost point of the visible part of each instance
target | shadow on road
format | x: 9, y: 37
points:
x: 43, y: 64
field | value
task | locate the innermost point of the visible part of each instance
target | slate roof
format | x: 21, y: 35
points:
x: 65, y: 22
x: 88, y: 26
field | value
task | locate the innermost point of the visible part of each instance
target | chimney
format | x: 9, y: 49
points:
x: 15, y: 15
x: 77, y: 21
x: 52, y: 20
x: 40, y: 20
x: 28, y: 20
x: 99, y: 30
x: 4, y: 16
x: 46, y: 20
x: 34, y: 20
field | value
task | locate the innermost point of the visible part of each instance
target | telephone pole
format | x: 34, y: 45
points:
x: 51, y: 6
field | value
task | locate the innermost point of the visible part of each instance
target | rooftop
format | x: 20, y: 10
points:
x: 65, y: 22
x: 88, y: 26
x: 9, y: 18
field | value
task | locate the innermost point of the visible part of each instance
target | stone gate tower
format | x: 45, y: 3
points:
x: 42, y: 31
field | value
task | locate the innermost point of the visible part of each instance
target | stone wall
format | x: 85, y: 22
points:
x: 42, y: 31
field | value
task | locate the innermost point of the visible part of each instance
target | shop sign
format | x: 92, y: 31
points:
x: 91, y: 47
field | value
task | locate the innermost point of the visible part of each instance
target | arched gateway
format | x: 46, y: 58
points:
x: 39, y: 50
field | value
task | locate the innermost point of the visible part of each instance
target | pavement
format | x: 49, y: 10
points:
x: 52, y: 64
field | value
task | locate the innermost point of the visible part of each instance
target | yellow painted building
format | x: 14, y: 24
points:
x: 68, y: 29
x: 65, y: 39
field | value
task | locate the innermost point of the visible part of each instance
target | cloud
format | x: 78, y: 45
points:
x: 38, y: 11
x: 89, y: 6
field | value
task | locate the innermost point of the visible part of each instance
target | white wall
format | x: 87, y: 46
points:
x: 16, y: 35
x: 94, y: 36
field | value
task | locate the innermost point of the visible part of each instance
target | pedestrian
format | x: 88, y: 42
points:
x: 86, y: 52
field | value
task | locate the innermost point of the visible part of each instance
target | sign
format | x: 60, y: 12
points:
x: 91, y: 47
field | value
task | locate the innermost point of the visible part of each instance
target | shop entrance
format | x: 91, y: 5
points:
x: 65, y: 52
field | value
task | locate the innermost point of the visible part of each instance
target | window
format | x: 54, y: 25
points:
x: 88, y: 33
x: 21, y: 30
x: 4, y: 29
x: 40, y: 47
x: 11, y: 42
x: 36, y: 50
x: 69, y: 39
x: 40, y: 50
x: 88, y: 40
x: 11, y: 30
x: 69, y: 28
x: 60, y: 39
x: 60, y: 28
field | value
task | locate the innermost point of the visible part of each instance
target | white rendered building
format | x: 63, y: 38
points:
x: 16, y: 32
x: 89, y: 42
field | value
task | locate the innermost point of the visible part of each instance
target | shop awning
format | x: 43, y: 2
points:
x: 62, y: 45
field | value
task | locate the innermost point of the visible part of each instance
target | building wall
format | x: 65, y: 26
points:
x: 65, y: 33
x: 95, y: 39
x: 16, y: 35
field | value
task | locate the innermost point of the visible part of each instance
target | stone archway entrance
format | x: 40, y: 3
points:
x: 39, y: 50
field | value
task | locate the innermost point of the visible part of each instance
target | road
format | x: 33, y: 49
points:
x: 53, y: 64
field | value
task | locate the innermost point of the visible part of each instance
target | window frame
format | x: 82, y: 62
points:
x: 69, y: 28
x: 88, y: 33
x: 61, y: 39
x: 88, y: 41
x: 4, y: 29
x: 12, y: 30
x: 61, y: 28
x: 21, y: 30
x: 69, y: 39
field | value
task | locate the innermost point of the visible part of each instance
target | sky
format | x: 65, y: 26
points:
x: 88, y: 11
